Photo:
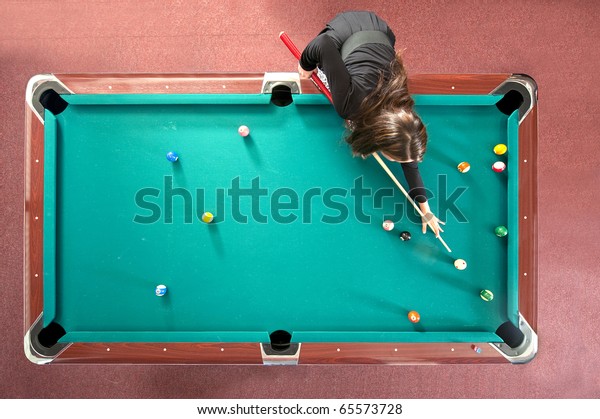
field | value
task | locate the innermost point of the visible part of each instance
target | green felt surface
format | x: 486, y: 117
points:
x: 315, y: 268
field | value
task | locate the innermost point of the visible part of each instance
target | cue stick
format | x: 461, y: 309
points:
x: 391, y: 175
x: 317, y: 81
x: 296, y: 52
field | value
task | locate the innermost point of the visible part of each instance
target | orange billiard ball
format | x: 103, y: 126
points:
x: 463, y: 167
x: 414, y: 317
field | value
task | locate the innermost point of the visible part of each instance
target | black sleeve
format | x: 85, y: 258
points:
x: 323, y: 52
x: 416, y: 187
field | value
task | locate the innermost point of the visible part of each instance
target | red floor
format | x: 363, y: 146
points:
x: 555, y: 42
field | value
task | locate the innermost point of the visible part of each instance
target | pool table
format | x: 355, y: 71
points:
x: 295, y: 267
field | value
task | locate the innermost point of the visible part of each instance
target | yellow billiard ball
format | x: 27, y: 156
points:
x: 500, y: 149
x: 207, y: 217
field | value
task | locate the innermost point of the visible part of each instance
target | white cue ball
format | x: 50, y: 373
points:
x: 460, y: 264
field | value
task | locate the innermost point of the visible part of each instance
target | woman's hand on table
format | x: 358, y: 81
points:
x: 429, y: 218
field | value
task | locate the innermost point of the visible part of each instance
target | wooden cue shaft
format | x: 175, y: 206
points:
x: 391, y: 175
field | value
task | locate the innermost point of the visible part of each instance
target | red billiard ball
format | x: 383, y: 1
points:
x: 388, y: 225
x: 499, y: 166
x: 244, y: 131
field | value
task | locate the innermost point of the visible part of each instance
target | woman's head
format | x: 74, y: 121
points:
x: 398, y: 134
x: 387, y: 122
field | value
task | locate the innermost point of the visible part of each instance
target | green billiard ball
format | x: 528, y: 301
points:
x: 486, y: 295
x: 501, y: 231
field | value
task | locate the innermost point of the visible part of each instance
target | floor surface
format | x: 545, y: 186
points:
x: 556, y: 42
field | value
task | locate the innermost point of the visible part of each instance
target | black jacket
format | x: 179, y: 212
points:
x: 350, y: 81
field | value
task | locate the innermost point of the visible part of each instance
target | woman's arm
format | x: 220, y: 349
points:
x: 418, y: 193
x: 323, y: 52
x: 415, y: 184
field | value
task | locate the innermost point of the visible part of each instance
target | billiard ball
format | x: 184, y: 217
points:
x: 500, y: 231
x: 460, y: 264
x: 405, y: 236
x: 499, y: 166
x: 500, y: 149
x: 486, y: 295
x: 244, y: 131
x: 413, y: 316
x: 161, y: 290
x: 207, y: 217
x: 463, y: 167
x: 172, y: 157
x: 388, y: 225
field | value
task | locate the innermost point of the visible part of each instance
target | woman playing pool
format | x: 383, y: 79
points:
x: 368, y: 84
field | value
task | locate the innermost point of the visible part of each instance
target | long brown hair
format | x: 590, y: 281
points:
x: 387, y: 122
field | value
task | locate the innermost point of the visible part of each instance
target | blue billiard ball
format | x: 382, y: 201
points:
x: 171, y: 156
x: 161, y: 290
